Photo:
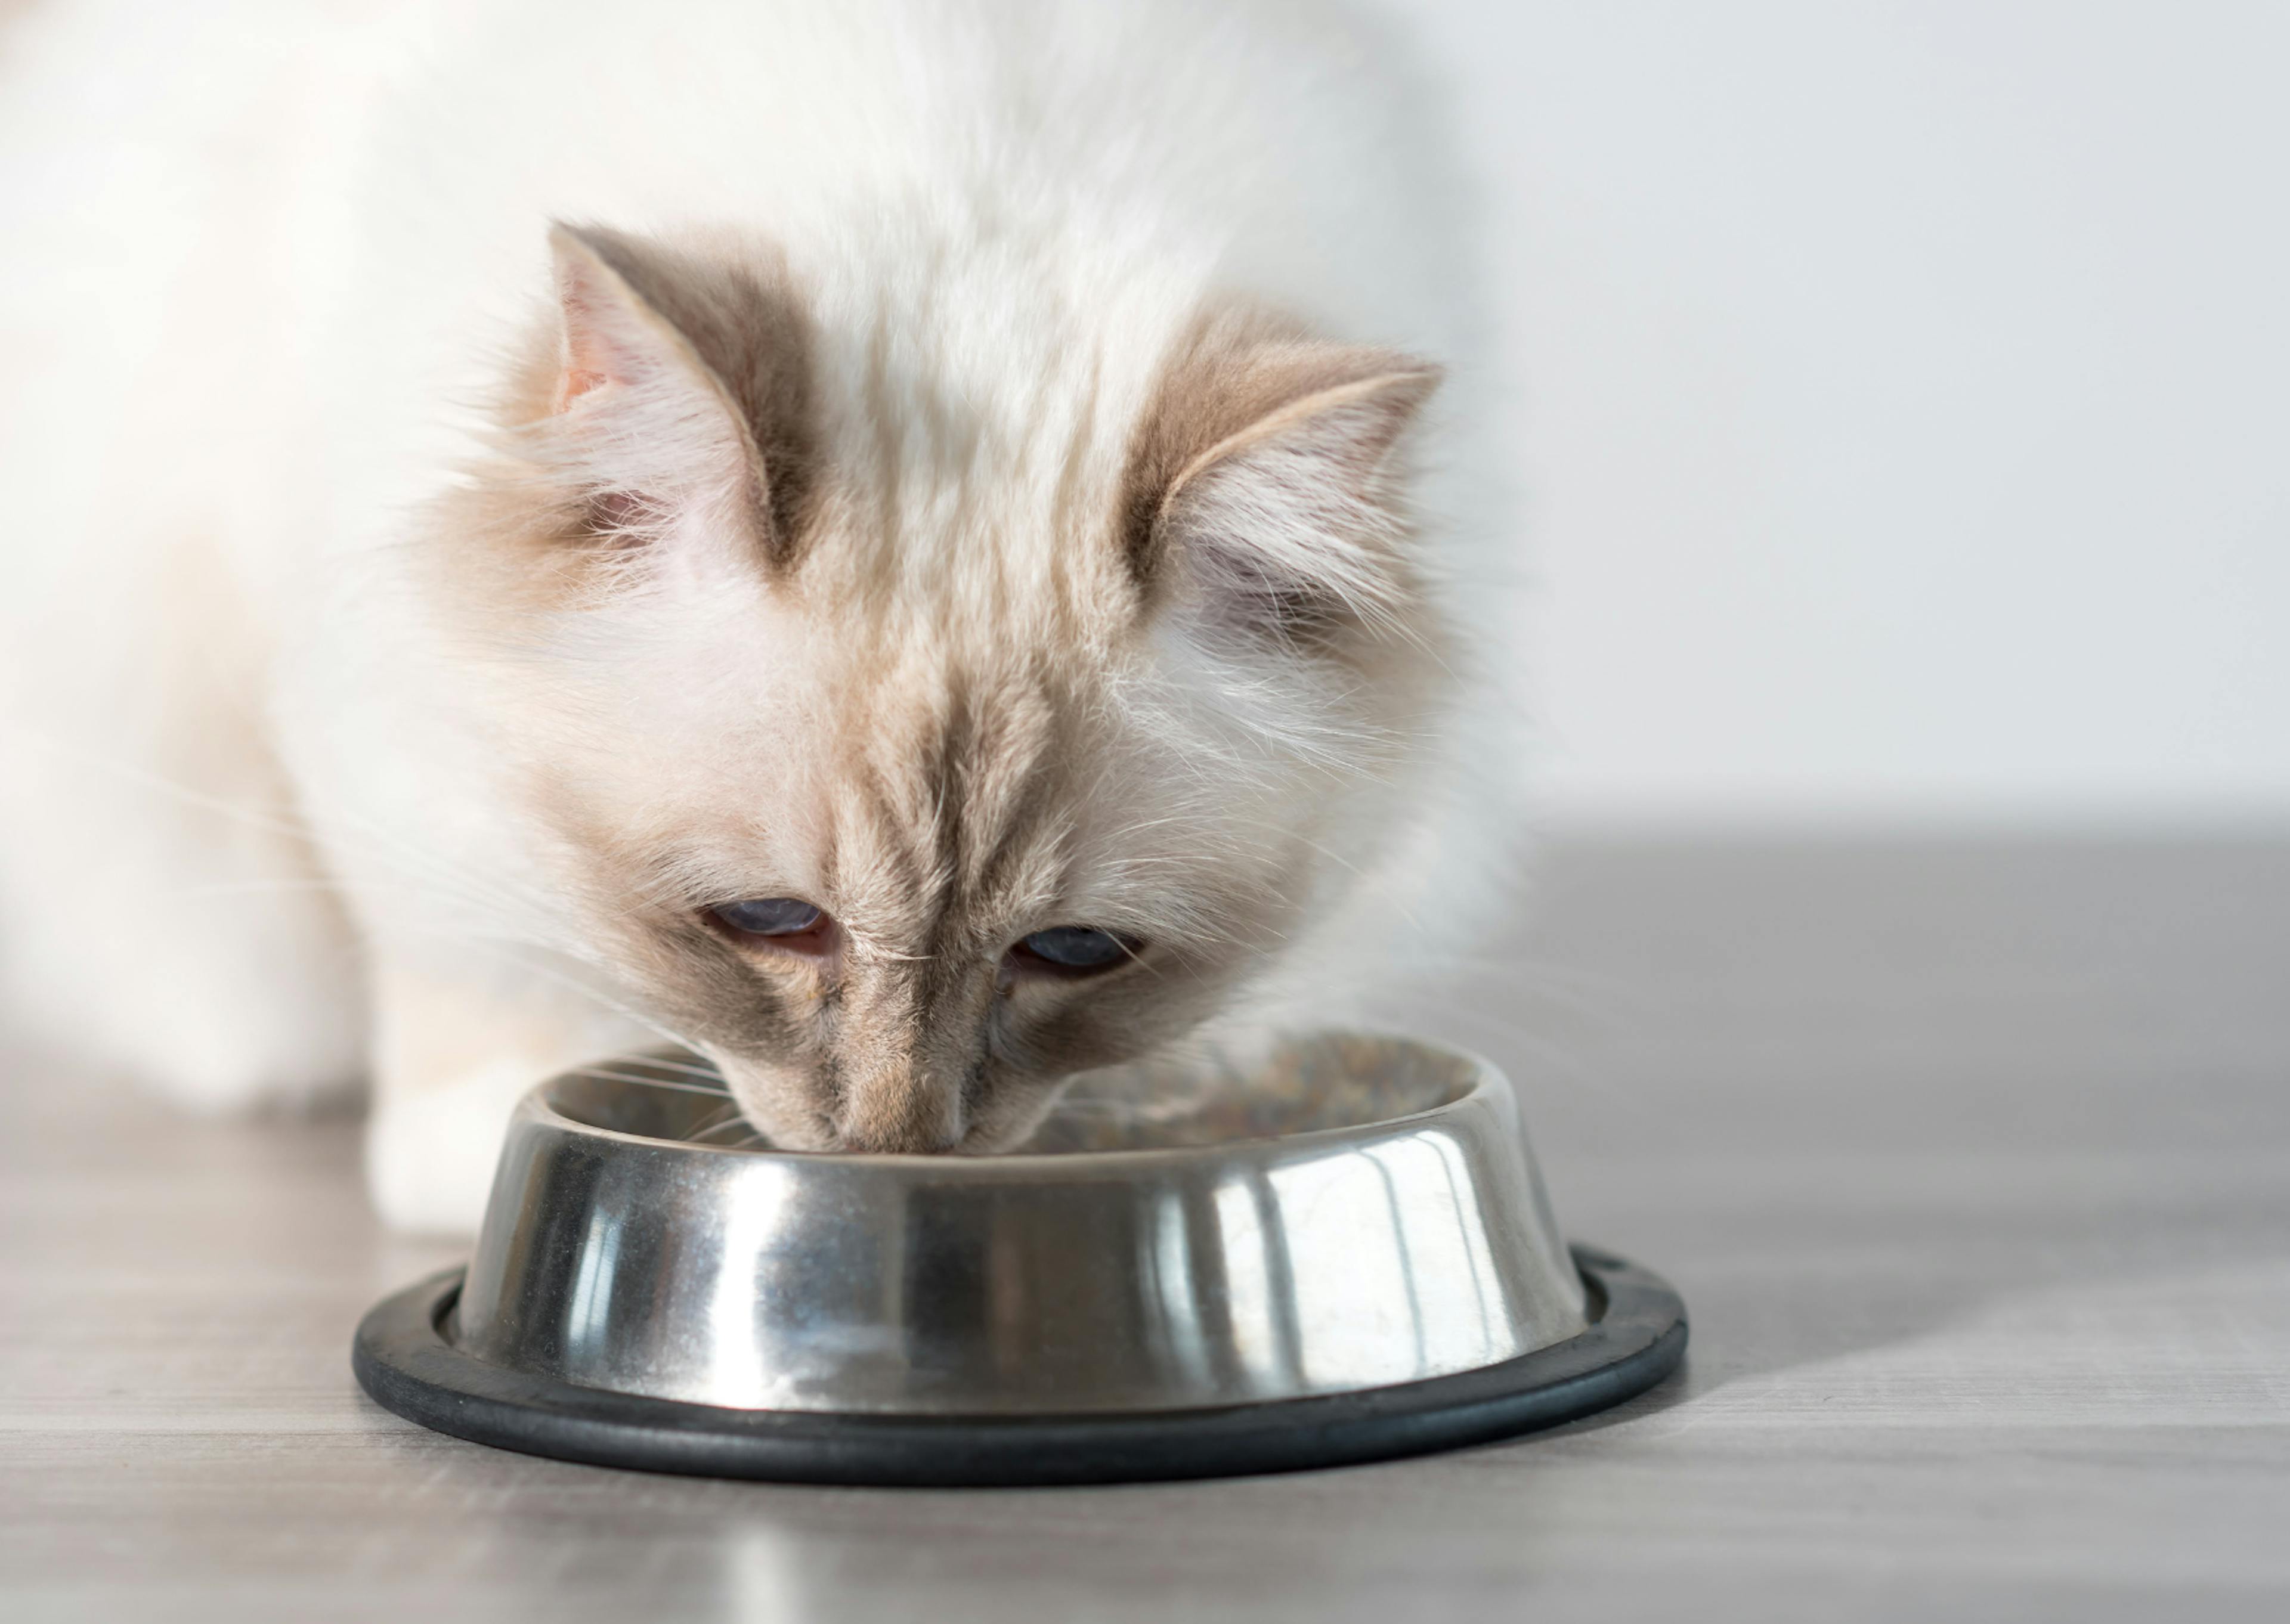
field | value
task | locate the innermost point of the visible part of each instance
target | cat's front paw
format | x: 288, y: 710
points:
x: 430, y: 1152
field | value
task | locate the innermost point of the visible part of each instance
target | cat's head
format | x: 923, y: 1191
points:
x: 919, y: 706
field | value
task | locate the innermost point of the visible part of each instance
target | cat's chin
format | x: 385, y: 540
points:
x: 1005, y: 1124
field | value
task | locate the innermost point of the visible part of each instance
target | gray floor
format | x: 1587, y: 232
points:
x: 1973, y: 1163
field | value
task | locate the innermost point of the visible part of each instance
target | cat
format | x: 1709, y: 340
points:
x: 916, y: 549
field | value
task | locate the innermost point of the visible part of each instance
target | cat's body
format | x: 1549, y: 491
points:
x: 960, y: 465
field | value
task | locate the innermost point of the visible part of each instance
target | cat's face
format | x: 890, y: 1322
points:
x: 905, y: 784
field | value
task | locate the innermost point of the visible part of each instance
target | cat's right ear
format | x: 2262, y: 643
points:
x: 655, y: 402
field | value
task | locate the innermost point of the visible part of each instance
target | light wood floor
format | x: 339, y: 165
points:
x: 1973, y: 1163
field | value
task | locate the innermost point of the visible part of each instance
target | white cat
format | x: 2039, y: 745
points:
x: 910, y: 547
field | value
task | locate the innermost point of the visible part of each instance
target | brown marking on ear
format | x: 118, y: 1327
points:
x: 732, y: 319
x: 1243, y: 379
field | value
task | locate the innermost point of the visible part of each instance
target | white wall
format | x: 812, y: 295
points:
x: 1908, y: 410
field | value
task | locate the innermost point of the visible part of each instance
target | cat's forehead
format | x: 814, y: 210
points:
x: 948, y: 767
x: 910, y: 714
x: 989, y: 495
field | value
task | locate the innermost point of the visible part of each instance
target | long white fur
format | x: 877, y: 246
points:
x: 264, y: 260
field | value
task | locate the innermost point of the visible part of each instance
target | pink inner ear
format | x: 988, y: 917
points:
x: 594, y: 353
x: 589, y: 353
x: 575, y: 382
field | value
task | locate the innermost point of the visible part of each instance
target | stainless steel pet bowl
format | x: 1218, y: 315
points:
x: 1345, y: 1253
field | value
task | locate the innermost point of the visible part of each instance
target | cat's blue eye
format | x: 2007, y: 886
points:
x: 1076, y: 947
x: 768, y: 917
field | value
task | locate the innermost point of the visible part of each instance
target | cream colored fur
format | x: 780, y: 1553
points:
x: 332, y: 752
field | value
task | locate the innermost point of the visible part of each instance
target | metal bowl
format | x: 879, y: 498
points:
x: 1356, y: 1215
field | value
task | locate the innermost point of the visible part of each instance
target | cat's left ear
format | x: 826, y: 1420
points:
x: 680, y: 392
x: 1265, y: 494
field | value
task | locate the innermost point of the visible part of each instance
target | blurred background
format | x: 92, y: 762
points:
x: 1908, y: 401
x: 1906, y: 395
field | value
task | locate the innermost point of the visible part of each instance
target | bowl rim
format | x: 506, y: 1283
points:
x: 1488, y: 1083
x: 405, y: 1361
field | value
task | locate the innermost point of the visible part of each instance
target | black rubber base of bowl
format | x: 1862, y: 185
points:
x: 402, y: 1358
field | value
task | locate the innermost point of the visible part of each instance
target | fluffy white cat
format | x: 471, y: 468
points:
x: 914, y: 548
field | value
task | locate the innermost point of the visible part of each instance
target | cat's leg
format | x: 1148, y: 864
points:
x: 162, y: 914
x: 458, y: 1040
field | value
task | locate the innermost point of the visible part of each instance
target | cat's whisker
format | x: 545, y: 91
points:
x: 595, y: 995
x: 733, y: 1122
x: 293, y: 826
x: 726, y: 1113
x: 607, y: 1074
x: 690, y: 1071
x: 144, y: 778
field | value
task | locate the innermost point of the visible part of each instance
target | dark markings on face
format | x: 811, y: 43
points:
x: 949, y: 825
